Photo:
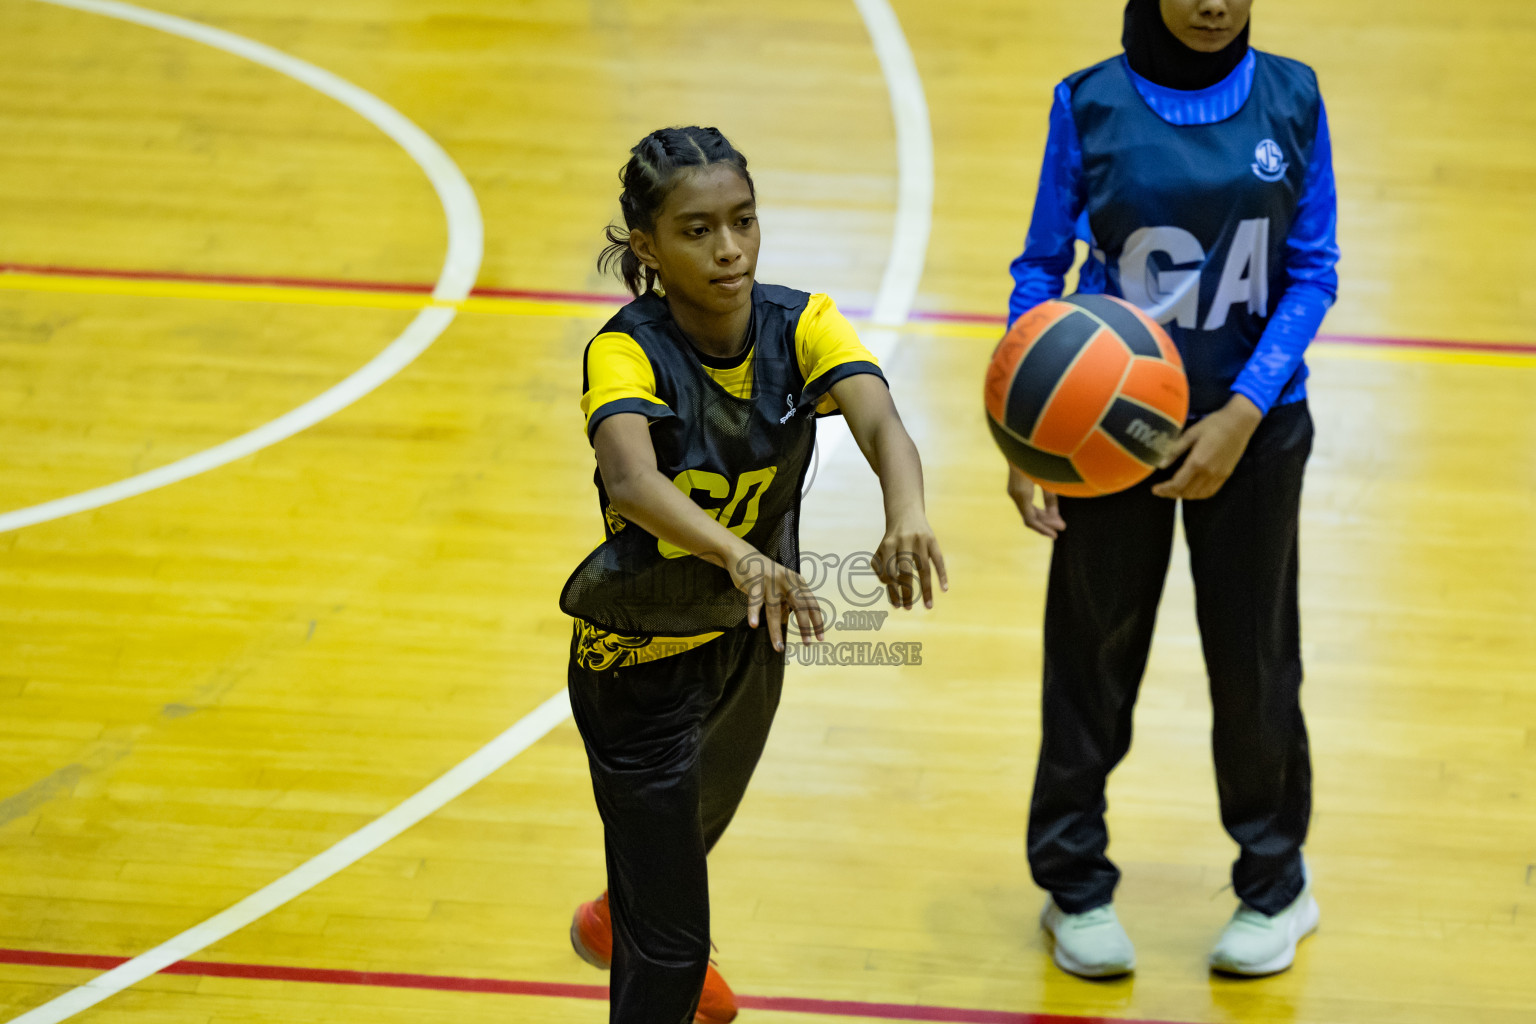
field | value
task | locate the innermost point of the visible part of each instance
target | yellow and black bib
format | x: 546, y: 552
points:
x: 741, y: 455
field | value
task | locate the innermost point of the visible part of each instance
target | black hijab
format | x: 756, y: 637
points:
x: 1156, y: 54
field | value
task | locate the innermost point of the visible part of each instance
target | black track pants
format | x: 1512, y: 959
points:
x: 671, y: 745
x: 1107, y: 572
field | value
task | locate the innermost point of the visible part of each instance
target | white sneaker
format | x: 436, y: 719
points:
x: 1254, y: 943
x: 1090, y: 945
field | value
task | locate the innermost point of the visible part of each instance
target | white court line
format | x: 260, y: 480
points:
x: 528, y: 731
x: 461, y: 266
x: 883, y: 28
x: 914, y: 165
x: 914, y: 202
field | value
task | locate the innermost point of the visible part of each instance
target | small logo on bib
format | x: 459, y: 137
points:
x: 789, y: 400
x: 1268, y: 162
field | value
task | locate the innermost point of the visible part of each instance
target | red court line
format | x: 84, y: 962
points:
x: 1494, y: 347
x: 330, y: 284
x: 174, y: 275
x: 986, y: 319
x: 497, y: 986
x: 1374, y: 341
x: 918, y: 316
x: 524, y: 293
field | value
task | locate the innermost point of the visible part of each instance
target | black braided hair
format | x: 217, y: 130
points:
x: 648, y: 178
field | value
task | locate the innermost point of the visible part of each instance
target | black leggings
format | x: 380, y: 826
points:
x: 1107, y: 573
x: 671, y: 744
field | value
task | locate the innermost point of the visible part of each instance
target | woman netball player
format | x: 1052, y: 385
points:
x: 701, y: 398
x: 1198, y: 171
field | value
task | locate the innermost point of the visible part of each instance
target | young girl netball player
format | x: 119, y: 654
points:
x: 701, y: 398
x: 1199, y: 173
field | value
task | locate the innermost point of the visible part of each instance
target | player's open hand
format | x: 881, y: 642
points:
x: 1045, y: 521
x: 907, y: 560
x: 775, y: 593
x: 1215, y: 444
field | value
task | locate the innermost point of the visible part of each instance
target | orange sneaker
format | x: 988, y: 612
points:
x: 592, y: 933
x: 592, y: 938
x: 717, y: 1003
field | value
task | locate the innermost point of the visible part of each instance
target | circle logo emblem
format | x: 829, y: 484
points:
x: 1268, y: 161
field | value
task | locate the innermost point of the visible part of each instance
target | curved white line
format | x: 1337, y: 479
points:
x: 461, y: 265
x: 914, y: 165
x: 538, y: 723
x: 528, y: 731
x: 914, y: 203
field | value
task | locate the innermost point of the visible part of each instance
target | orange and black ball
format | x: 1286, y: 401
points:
x: 1085, y: 394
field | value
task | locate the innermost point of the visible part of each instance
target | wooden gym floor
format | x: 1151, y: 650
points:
x: 208, y: 685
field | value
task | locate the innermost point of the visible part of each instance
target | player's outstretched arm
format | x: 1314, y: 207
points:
x: 908, y: 555
x: 642, y: 495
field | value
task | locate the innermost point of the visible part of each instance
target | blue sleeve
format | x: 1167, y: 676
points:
x: 1038, y: 272
x: 1311, y: 259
